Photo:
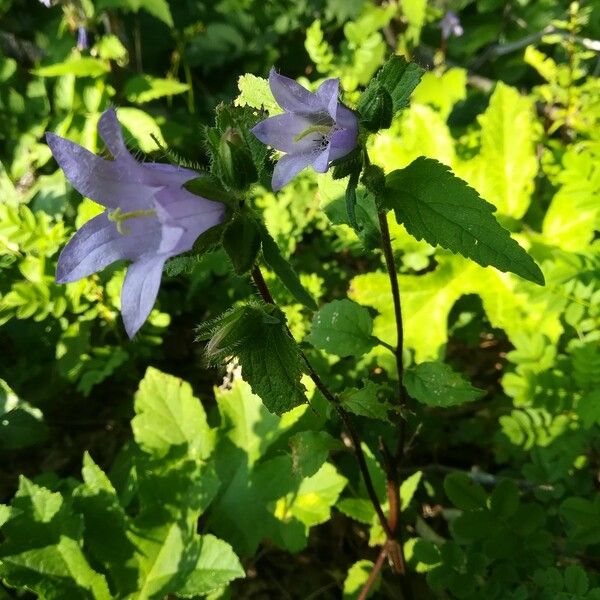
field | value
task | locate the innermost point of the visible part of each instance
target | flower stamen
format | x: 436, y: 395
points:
x: 324, y: 129
x: 119, y: 217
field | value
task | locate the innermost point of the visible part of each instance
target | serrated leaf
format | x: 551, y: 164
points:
x: 271, y: 364
x: 505, y: 169
x: 42, y: 548
x: 435, y: 205
x: 256, y: 93
x: 173, y: 560
x: 463, y: 492
x: 342, y: 327
x: 217, y: 565
x: 398, y: 77
x: 367, y: 401
x: 436, y: 384
x: 310, y: 450
x: 168, y: 415
x: 80, y: 66
x: 145, y: 88
x: 284, y: 270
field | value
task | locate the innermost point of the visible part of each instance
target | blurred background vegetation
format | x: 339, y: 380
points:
x: 512, y: 105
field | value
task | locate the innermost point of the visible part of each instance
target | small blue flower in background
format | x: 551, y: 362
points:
x: 314, y: 129
x: 82, y: 38
x: 149, y: 217
x: 450, y: 25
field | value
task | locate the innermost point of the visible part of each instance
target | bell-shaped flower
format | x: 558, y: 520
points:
x: 149, y: 217
x: 450, y: 25
x: 315, y: 129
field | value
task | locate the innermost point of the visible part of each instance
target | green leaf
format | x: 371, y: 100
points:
x: 576, y: 580
x: 436, y: 384
x: 242, y: 241
x: 284, y: 270
x: 42, y: 548
x: 588, y: 408
x: 504, y: 500
x: 398, y: 77
x: 271, y: 364
x: 142, y: 127
x: 158, y: 8
x: 435, y: 205
x: 311, y: 503
x: 106, y: 526
x: 80, y: 66
x: 176, y: 561
x: 168, y: 415
x: 145, y: 88
x: 310, y: 450
x: 463, y: 493
x: 216, y: 566
x: 369, y: 401
x: 342, y: 327
x: 505, y: 169
x: 256, y: 93
x: 357, y: 577
x: 408, y: 488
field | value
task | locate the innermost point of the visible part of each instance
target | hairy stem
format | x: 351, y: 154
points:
x: 263, y: 289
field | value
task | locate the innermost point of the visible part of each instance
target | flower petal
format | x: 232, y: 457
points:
x: 107, y: 182
x: 321, y: 162
x: 346, y: 119
x: 279, y: 131
x: 291, y: 96
x: 328, y: 95
x: 162, y: 174
x: 110, y: 131
x: 98, y: 244
x: 288, y: 167
x: 139, y: 292
x: 341, y: 143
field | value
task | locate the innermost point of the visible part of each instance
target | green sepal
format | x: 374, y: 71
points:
x: 284, y: 270
x: 242, y: 241
x: 377, y: 110
x: 373, y: 178
x: 349, y: 164
x: 351, y: 201
x: 208, y: 187
x: 398, y: 78
x: 238, y: 158
x: 237, y: 169
x: 229, y: 331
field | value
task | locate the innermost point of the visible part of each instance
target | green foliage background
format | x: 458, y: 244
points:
x: 129, y: 469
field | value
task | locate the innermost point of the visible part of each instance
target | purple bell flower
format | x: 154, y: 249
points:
x: 82, y: 38
x: 149, y: 217
x: 315, y: 128
x: 450, y: 25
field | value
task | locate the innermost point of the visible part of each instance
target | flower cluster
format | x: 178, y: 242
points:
x: 150, y: 217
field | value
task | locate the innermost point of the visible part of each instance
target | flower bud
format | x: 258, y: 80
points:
x: 235, y: 162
